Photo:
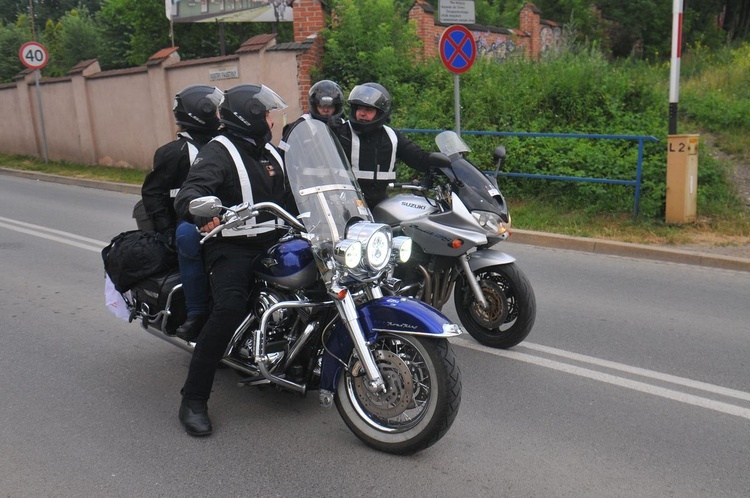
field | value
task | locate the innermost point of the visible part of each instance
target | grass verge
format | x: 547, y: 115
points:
x: 720, y: 228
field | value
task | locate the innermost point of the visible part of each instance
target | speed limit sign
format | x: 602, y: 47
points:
x: 33, y: 55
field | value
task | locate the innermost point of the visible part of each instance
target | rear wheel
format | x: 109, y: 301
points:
x: 423, y: 393
x: 511, y: 309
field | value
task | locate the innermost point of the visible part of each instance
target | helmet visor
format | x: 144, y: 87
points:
x: 270, y: 99
x: 216, y: 97
x: 365, y: 95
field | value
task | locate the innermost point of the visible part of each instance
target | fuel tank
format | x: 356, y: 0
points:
x: 289, y: 264
x: 402, y: 207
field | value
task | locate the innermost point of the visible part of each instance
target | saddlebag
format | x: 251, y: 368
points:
x: 135, y: 255
x: 156, y: 294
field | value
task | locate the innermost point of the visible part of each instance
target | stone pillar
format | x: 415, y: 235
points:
x: 423, y: 15
x: 87, y: 142
x: 28, y: 114
x: 161, y: 100
x: 530, y: 22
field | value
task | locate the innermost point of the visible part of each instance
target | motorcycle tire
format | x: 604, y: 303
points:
x: 423, y: 394
x: 512, y: 306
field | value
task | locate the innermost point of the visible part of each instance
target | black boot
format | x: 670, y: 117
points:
x: 191, y: 329
x: 194, y: 417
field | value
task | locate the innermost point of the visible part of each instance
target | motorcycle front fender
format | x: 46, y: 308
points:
x: 485, y: 258
x: 391, y: 314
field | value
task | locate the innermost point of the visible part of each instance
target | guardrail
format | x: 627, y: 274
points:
x: 633, y: 183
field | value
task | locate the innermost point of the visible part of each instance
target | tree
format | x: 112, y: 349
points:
x: 12, y: 37
x: 368, y: 40
x: 136, y: 29
x: 78, y: 38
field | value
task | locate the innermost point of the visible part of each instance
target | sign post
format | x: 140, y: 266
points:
x: 674, y: 67
x: 458, y: 50
x: 682, y: 151
x: 34, y: 56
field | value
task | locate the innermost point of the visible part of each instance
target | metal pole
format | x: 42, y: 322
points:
x: 41, y: 114
x: 674, y: 76
x: 457, y: 101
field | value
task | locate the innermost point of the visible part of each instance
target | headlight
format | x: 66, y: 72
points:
x: 378, y: 250
x: 348, y: 252
x: 402, y: 248
x: 376, y: 242
x: 491, y: 222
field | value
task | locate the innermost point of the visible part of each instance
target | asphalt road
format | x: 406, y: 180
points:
x: 634, y: 382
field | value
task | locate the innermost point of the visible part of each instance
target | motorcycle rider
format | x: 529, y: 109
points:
x: 373, y: 147
x: 195, y: 112
x: 239, y: 165
x: 325, y: 103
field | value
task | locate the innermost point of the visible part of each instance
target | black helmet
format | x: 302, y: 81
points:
x: 195, y: 108
x: 326, y: 93
x: 244, y: 109
x: 369, y: 95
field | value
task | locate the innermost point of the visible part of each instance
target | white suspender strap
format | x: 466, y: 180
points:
x: 391, y: 175
x: 247, y: 191
x: 272, y: 150
x: 192, y: 152
x: 388, y: 175
x: 251, y: 227
x: 355, y: 154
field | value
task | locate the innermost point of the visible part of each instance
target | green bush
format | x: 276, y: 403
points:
x: 577, y: 92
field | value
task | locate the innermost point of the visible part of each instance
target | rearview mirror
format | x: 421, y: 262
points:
x: 208, y: 206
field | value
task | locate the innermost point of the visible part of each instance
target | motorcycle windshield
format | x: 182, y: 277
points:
x: 476, y: 190
x: 324, y: 187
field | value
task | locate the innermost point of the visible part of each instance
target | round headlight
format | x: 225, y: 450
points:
x: 348, y: 252
x: 402, y: 248
x: 376, y: 242
x: 378, y: 250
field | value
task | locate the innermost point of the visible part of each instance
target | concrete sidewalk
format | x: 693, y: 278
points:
x: 597, y: 246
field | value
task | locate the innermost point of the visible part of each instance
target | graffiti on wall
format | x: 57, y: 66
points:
x: 494, y: 46
x: 550, y: 37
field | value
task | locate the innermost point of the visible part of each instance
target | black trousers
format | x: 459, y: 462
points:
x: 230, y: 277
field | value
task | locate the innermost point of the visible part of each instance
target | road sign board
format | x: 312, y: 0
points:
x: 457, y: 49
x: 33, y: 55
x: 456, y: 12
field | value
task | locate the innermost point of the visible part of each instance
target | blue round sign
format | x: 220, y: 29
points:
x: 457, y: 49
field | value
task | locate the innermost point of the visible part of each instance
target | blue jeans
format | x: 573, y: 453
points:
x: 192, y: 271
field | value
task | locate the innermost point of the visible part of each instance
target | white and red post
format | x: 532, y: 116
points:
x: 674, y: 76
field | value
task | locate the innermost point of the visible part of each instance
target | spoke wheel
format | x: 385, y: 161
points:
x: 421, y: 400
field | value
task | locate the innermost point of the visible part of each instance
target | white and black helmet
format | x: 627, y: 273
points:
x: 244, y: 109
x: 369, y: 95
x: 326, y: 93
x: 195, y: 108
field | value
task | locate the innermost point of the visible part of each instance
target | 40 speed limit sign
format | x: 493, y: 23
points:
x: 33, y: 55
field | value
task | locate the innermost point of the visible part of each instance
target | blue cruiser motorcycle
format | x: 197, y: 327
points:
x: 318, y: 319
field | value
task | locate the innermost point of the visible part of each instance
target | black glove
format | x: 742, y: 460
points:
x: 335, y: 123
x: 201, y: 221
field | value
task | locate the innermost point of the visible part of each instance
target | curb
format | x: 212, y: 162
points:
x: 125, y: 188
x: 541, y: 239
x: 614, y: 248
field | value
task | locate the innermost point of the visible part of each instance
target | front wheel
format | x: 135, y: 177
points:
x: 511, y: 309
x: 422, y: 398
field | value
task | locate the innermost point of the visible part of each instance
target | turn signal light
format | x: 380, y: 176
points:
x: 457, y: 243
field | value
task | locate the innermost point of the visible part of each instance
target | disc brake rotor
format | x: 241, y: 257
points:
x: 497, y: 306
x: 398, y: 382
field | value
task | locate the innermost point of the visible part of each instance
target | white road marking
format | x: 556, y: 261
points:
x: 70, y: 239
x: 690, y: 399
x: 97, y: 245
